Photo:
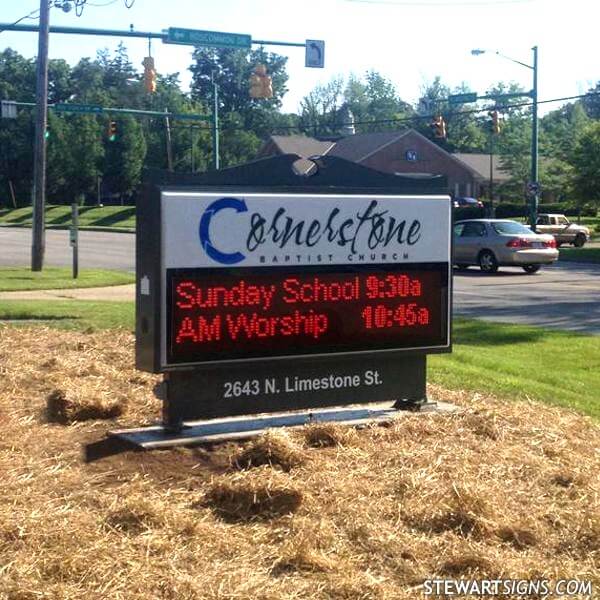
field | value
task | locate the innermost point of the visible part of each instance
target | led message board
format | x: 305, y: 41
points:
x: 217, y: 316
x: 252, y: 276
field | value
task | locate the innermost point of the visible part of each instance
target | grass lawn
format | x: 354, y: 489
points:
x: 592, y: 222
x: 511, y: 361
x: 52, y: 278
x: 580, y: 254
x: 69, y: 314
x: 60, y: 216
x: 514, y: 361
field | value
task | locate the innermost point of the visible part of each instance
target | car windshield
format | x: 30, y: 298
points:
x: 510, y: 227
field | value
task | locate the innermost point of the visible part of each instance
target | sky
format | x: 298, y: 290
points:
x: 409, y: 42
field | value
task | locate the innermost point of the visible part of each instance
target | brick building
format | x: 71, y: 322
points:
x: 393, y: 152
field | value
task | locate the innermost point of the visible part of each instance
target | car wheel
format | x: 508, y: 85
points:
x: 531, y: 268
x: 488, y: 262
x: 579, y: 240
x: 462, y: 267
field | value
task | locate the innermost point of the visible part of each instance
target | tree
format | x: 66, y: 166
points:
x: 586, y: 165
x: 559, y: 131
x: 230, y: 70
x: 319, y: 110
x: 591, y: 103
x: 124, y: 157
x: 373, y: 102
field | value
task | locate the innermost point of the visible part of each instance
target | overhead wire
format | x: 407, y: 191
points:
x: 437, y: 3
x: 28, y: 16
x: 413, y: 118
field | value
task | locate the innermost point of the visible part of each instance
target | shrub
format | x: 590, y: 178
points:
x: 468, y: 212
x: 508, y: 210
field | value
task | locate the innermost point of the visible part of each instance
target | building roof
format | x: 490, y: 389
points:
x: 481, y: 164
x: 357, y: 147
x: 301, y: 145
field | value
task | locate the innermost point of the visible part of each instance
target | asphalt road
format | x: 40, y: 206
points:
x: 564, y: 296
x: 97, y: 249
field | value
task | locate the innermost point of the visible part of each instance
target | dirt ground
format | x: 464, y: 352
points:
x: 497, y: 490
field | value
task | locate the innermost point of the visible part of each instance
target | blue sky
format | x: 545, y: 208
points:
x: 407, y: 41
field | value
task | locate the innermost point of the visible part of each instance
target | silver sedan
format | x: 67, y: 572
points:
x: 491, y: 243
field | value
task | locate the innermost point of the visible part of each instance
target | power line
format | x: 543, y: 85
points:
x: 29, y: 16
x: 421, y: 117
x: 437, y: 3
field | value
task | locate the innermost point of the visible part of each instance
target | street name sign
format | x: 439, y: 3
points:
x: 533, y: 188
x: 315, y: 54
x: 216, y: 39
x: 8, y: 109
x: 78, y: 108
x: 463, y: 98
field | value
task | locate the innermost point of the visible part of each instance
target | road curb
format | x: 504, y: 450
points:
x: 66, y: 228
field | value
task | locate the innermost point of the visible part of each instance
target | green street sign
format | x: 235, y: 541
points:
x: 78, y: 108
x: 217, y: 39
x: 463, y: 98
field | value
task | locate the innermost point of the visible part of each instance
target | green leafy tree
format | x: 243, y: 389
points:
x: 591, y: 103
x: 319, y: 109
x: 586, y: 165
x: 372, y: 101
x: 17, y: 77
x: 230, y: 70
x: 559, y: 132
x: 375, y: 100
x: 83, y: 161
x: 124, y: 157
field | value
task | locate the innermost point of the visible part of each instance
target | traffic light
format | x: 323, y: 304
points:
x: 439, y: 127
x: 495, y: 121
x: 260, y: 83
x: 111, y: 131
x: 149, y: 75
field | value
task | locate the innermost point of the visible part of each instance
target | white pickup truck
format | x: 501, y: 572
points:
x: 562, y: 229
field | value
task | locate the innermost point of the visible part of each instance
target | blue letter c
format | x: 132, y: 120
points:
x: 204, y: 230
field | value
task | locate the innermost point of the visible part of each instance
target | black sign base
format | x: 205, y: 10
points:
x: 236, y: 428
x: 218, y: 391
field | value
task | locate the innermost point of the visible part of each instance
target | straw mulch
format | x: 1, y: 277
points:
x: 499, y: 490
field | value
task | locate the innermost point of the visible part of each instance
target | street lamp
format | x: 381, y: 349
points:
x: 533, y: 206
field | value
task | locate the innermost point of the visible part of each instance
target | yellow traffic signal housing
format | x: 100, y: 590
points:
x: 149, y: 75
x: 260, y: 83
x: 111, y: 131
x: 495, y: 121
x: 439, y: 127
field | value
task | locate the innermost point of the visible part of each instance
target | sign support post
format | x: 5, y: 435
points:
x: 74, y: 238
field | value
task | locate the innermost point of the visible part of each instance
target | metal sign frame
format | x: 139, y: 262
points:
x: 200, y: 390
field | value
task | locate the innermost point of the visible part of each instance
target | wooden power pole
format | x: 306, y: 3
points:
x: 39, y: 159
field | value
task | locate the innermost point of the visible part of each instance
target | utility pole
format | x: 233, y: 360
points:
x: 533, y: 186
x: 534, y: 143
x: 215, y: 123
x: 492, y: 210
x: 41, y: 122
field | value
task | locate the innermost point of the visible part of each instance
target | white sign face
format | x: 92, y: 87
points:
x: 212, y: 230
